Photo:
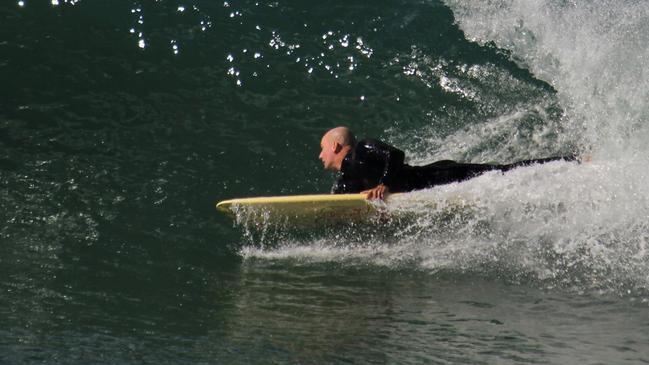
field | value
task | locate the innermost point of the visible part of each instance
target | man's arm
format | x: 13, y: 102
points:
x: 390, y: 159
x: 338, y: 187
x: 341, y: 186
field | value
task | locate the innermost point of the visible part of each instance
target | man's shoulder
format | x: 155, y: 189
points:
x: 369, y: 142
x: 372, y: 144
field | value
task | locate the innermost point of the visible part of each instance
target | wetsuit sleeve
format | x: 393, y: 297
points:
x: 345, y: 187
x: 389, y: 157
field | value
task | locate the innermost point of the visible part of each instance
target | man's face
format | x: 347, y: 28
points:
x: 328, y: 153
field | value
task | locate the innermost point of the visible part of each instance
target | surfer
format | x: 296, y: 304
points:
x: 372, y: 167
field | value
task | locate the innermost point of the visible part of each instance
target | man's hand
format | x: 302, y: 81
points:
x: 379, y: 192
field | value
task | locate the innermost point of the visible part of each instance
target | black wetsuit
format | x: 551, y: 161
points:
x: 372, y: 162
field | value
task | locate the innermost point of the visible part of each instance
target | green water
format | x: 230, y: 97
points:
x: 123, y: 122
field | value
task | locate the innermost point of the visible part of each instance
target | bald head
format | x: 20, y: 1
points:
x: 335, y: 144
x: 340, y: 135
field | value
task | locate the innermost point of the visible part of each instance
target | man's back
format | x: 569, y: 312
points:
x: 371, y: 163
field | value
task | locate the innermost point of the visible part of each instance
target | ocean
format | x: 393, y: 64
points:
x: 123, y: 122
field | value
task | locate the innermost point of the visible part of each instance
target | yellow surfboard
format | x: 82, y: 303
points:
x: 338, y: 206
x: 296, y: 203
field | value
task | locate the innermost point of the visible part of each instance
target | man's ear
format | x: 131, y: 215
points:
x: 336, y: 147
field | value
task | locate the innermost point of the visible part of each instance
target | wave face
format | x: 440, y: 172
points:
x: 124, y: 146
x: 593, y: 54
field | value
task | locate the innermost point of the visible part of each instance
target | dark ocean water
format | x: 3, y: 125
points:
x: 123, y: 122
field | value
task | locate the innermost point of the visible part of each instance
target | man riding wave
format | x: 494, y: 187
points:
x: 375, y: 168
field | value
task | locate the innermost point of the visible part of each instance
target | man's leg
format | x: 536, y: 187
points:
x: 537, y: 161
x: 444, y: 172
x: 447, y: 171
